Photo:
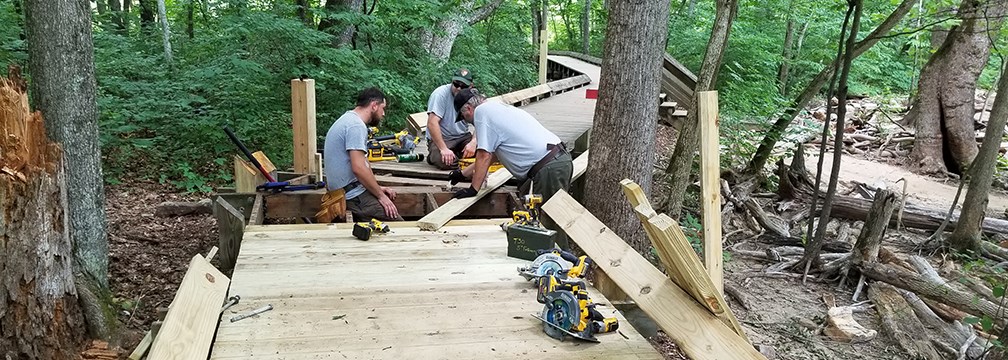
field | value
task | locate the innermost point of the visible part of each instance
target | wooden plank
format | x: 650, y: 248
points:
x: 436, y: 219
x: 246, y: 176
x: 142, y: 347
x: 230, y: 229
x: 258, y: 211
x: 699, y: 333
x: 430, y: 203
x: 392, y: 180
x: 710, y: 186
x: 189, y: 327
x: 668, y: 105
x: 319, y: 169
x: 543, y: 52
x: 265, y: 162
x: 303, y: 114
x: 580, y: 165
x: 681, y: 263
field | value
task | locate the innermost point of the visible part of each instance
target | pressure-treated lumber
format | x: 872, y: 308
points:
x: 189, y: 327
x: 700, y: 334
x: 543, y: 51
x: 246, y: 176
x: 437, y: 218
x: 410, y: 200
x: 710, y: 186
x: 676, y: 254
x: 142, y: 347
x: 258, y: 212
x: 303, y: 114
x: 230, y: 228
x: 266, y: 163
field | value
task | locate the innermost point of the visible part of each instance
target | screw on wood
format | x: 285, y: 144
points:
x: 253, y: 313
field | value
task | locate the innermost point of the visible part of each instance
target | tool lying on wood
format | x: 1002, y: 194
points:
x: 281, y: 186
x: 391, y: 147
x: 556, y: 261
x: 569, y: 311
x: 248, y: 155
x: 255, y: 312
x: 232, y: 301
x: 363, y: 230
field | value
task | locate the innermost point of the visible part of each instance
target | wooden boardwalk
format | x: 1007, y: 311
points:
x: 451, y: 294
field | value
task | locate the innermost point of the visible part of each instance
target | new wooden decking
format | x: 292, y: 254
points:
x: 450, y: 294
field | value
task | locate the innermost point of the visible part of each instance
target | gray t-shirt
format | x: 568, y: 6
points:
x: 517, y: 138
x: 442, y: 104
x: 348, y: 133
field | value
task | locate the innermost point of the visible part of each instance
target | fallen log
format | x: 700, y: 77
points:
x: 953, y: 334
x: 181, y: 208
x: 899, y: 321
x: 854, y: 208
x: 935, y: 290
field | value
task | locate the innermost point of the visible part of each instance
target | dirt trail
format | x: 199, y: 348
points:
x: 924, y: 190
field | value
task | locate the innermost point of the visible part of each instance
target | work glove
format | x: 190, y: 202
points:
x: 465, y: 193
x: 456, y: 177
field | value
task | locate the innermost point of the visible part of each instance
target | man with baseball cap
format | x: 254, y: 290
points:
x: 527, y: 149
x: 448, y: 137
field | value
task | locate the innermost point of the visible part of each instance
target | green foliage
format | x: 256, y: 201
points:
x: 164, y: 122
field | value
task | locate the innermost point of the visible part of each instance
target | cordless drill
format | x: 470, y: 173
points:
x: 363, y: 230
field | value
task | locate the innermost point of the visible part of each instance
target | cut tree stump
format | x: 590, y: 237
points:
x: 900, y: 322
x: 39, y: 308
x: 842, y: 327
x: 866, y: 248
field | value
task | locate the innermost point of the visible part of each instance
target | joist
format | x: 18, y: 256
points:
x: 699, y: 333
x: 437, y: 218
x: 189, y: 327
x: 411, y: 202
x: 230, y: 228
x: 676, y: 254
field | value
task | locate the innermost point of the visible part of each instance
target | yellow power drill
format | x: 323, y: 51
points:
x: 363, y: 230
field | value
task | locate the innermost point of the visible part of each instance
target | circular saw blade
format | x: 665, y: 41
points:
x: 562, y: 312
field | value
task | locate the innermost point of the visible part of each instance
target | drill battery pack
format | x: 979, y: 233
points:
x: 524, y: 240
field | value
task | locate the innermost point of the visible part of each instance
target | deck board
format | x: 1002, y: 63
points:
x: 410, y: 293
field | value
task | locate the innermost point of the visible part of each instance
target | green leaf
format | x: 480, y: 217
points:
x: 999, y: 291
x: 987, y: 323
x: 970, y: 320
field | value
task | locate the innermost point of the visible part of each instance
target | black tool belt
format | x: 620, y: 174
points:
x: 352, y: 185
x: 555, y: 150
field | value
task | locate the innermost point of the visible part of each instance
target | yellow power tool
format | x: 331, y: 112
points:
x: 390, y: 147
x: 568, y: 310
x: 466, y: 162
x: 363, y: 230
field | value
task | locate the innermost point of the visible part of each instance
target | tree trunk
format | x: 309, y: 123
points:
x: 147, y: 10
x: 782, y: 71
x: 585, y: 26
x: 626, y: 113
x: 117, y: 14
x: 900, y: 322
x: 536, y: 7
x: 102, y: 7
x: 61, y: 57
x: 870, y: 240
x: 38, y: 298
x: 438, y: 44
x: 567, y: 26
x: 165, y: 31
x: 795, y: 55
x: 777, y: 130
x: 190, y: 11
x: 943, y: 111
x: 126, y: 6
x: 967, y: 231
x: 344, y: 37
x: 691, y: 9
x: 304, y: 12
x: 681, y: 161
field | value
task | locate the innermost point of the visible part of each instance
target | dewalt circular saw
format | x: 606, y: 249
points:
x: 569, y: 312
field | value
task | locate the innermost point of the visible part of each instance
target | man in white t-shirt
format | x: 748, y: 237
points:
x: 525, y: 148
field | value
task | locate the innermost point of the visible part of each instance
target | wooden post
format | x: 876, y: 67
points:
x: 246, y: 176
x: 543, y: 50
x: 231, y: 228
x: 305, y: 138
x: 710, y: 169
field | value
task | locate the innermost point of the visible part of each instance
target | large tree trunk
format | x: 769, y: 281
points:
x: 117, y: 14
x: 585, y: 26
x: 784, y: 68
x: 777, y: 130
x: 61, y: 56
x: 686, y: 144
x: 344, y: 35
x: 190, y: 12
x: 538, y: 9
x: 439, y: 43
x: 943, y: 111
x: 38, y: 300
x: 165, y: 31
x: 967, y: 231
x: 147, y: 10
x: 626, y: 113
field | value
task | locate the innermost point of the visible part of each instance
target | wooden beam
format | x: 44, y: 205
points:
x: 142, y: 347
x: 392, y: 180
x: 681, y: 263
x: 303, y: 114
x: 436, y: 219
x: 580, y: 165
x: 410, y: 201
x: 319, y: 168
x: 699, y: 333
x: 430, y: 203
x: 265, y: 162
x: 543, y: 51
x: 710, y: 186
x: 189, y: 327
x: 257, y: 214
x: 246, y: 176
x: 230, y: 229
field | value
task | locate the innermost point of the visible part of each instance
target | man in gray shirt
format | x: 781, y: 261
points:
x: 448, y: 139
x: 347, y: 170
x: 525, y: 148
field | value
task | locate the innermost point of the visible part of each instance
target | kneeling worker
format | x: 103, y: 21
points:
x: 352, y: 185
x: 525, y: 148
x: 448, y: 139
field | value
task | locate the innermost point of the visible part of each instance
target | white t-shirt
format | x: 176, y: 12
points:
x: 517, y: 138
